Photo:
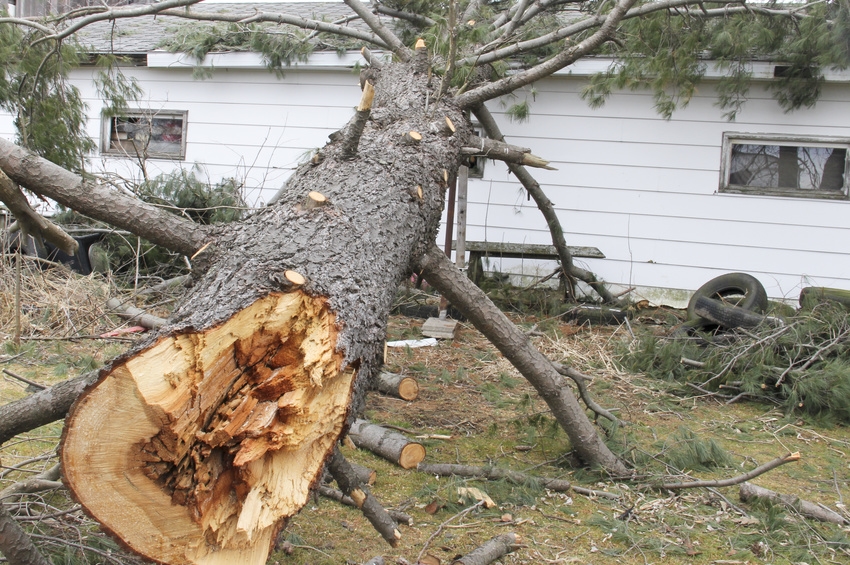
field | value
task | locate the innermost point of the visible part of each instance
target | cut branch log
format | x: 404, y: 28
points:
x: 499, y: 150
x: 133, y: 314
x: 390, y: 445
x: 494, y: 549
x: 400, y: 386
x: 31, y: 221
x: 749, y: 491
x: 516, y: 347
x: 347, y: 480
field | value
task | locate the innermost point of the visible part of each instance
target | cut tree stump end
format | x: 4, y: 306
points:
x: 193, y: 450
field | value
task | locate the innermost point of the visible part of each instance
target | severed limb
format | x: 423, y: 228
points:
x: 368, y: 504
x: 501, y: 151
x: 339, y: 496
x: 32, y: 222
x: 497, y: 473
x: 390, y: 445
x: 442, y: 274
x: 494, y: 549
x: 760, y: 470
x: 355, y: 128
x: 43, y: 407
x: 749, y: 491
x: 491, y: 128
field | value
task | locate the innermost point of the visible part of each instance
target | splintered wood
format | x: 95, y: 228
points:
x: 195, y: 449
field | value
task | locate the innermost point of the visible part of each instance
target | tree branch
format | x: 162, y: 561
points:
x: 441, y: 273
x: 482, y: 57
x: 760, y: 470
x: 371, y: 20
x: 501, y: 151
x: 120, y: 13
x: 31, y: 221
x: 15, y: 544
x: 42, y: 407
x: 355, y: 129
x: 491, y: 128
x: 415, y: 19
x: 347, y: 480
x: 100, y: 202
x: 279, y: 18
x: 568, y: 56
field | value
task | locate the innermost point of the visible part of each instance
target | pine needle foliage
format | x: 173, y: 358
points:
x: 668, y: 53
x: 802, y: 366
x: 49, y: 114
x: 689, y: 452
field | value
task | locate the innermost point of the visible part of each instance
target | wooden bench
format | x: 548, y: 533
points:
x: 480, y: 249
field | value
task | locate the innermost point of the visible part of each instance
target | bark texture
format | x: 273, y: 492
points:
x: 230, y: 411
x: 41, y: 408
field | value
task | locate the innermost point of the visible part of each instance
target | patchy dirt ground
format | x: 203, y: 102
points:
x: 470, y: 394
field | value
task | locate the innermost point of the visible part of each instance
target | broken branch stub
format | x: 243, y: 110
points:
x: 199, y: 432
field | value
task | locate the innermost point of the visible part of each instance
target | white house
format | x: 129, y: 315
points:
x: 670, y: 203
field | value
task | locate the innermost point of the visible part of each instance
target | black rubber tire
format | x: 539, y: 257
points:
x: 727, y: 315
x: 739, y: 289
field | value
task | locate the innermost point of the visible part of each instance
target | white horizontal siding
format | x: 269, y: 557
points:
x: 242, y: 124
x: 641, y: 189
x: 644, y: 190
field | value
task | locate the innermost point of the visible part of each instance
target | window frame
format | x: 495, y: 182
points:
x: 736, y: 138
x: 107, y: 122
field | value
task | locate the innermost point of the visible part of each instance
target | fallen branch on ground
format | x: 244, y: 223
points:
x: 339, y: 496
x: 363, y: 499
x: 133, y: 314
x: 760, y: 470
x: 749, y: 491
x: 494, y: 549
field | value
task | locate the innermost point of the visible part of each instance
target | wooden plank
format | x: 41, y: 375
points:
x: 527, y: 250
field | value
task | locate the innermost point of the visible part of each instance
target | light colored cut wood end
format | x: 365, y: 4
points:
x: 450, y: 125
x: 420, y: 44
x: 408, y: 389
x: 412, y: 455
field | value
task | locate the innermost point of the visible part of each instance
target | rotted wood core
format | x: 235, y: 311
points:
x: 193, y: 450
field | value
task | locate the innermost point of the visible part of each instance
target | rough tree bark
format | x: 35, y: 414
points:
x: 196, y: 446
x: 229, y: 413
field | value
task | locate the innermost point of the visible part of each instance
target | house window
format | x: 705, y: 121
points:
x: 785, y: 166
x: 144, y: 134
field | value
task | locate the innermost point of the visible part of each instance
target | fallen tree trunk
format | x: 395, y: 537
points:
x: 228, y: 414
x: 492, y: 474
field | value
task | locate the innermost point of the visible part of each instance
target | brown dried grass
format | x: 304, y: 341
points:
x: 54, y: 302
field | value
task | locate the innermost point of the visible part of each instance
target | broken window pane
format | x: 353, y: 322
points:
x: 144, y: 135
x: 773, y: 168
